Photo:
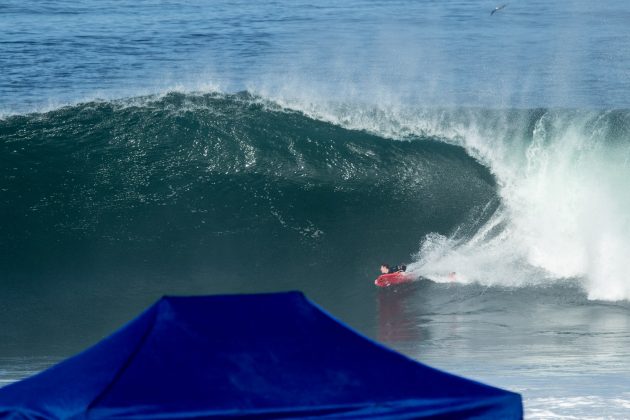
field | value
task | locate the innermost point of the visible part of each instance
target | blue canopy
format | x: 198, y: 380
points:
x: 265, y: 356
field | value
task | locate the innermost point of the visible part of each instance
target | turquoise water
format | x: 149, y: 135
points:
x: 151, y: 148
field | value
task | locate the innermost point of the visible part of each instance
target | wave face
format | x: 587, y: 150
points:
x: 215, y: 191
x: 561, y: 181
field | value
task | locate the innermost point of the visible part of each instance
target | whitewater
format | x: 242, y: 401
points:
x: 561, y: 178
x: 154, y: 148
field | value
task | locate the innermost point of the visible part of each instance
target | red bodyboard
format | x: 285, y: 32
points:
x: 385, y: 280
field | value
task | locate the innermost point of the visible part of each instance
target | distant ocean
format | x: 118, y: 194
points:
x: 170, y: 147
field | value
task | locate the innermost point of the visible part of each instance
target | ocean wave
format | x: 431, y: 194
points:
x: 501, y: 197
x: 215, y: 180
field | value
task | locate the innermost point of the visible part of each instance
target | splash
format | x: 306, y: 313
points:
x: 562, y: 182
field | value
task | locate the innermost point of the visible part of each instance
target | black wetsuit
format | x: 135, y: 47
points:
x: 397, y: 269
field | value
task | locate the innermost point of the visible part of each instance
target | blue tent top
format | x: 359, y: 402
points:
x: 264, y: 356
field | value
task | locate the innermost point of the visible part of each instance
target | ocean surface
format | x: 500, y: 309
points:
x: 171, y: 147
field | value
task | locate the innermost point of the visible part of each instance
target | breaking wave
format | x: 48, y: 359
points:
x: 244, y: 182
x: 561, y: 187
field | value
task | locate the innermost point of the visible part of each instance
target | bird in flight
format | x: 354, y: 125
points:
x: 496, y: 9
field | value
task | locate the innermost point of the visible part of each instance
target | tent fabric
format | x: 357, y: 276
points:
x: 261, y: 356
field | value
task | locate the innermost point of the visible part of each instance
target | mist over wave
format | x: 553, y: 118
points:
x: 562, y: 185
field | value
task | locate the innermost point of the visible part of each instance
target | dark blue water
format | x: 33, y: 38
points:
x: 536, y: 53
x: 151, y: 148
